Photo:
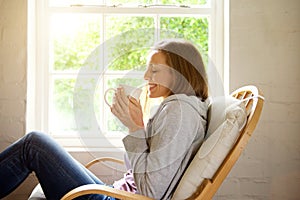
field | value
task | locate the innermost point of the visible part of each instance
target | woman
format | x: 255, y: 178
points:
x: 158, y: 153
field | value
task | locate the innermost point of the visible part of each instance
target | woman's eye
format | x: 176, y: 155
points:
x: 153, y: 69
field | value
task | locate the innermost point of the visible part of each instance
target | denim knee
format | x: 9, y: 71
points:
x: 36, y: 136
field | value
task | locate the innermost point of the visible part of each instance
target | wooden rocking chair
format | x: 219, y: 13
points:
x: 253, y: 100
x: 204, y: 186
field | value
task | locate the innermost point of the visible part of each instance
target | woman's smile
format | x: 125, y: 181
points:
x: 152, y: 87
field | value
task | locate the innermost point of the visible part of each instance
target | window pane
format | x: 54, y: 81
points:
x: 62, y: 117
x: 130, y: 39
x: 74, y: 37
x: 194, y: 29
x: 119, y: 24
x: 73, y: 98
x: 135, y: 60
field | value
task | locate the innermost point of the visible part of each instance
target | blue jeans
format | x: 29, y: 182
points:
x: 56, y: 170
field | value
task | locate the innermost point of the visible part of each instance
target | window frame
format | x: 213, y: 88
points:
x: 38, y: 50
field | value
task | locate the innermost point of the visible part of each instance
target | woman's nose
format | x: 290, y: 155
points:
x: 147, y: 75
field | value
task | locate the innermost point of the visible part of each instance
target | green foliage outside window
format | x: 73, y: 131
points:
x: 127, y: 47
x: 71, y: 51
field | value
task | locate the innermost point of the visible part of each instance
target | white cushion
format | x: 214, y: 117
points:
x: 227, y: 117
x: 37, y: 193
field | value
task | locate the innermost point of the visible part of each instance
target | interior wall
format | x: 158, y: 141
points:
x: 264, y: 50
x: 13, y: 53
x: 12, y: 69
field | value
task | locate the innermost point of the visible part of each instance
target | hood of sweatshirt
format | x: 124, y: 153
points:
x: 197, y: 103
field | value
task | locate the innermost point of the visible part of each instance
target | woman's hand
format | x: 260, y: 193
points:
x: 128, y: 110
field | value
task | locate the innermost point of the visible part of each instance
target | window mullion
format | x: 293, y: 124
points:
x: 157, y: 25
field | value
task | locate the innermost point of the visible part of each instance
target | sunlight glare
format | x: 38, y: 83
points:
x: 65, y: 25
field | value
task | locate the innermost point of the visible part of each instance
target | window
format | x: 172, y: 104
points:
x: 78, y: 49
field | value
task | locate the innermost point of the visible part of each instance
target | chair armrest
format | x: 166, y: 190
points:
x: 104, y: 159
x: 104, y: 190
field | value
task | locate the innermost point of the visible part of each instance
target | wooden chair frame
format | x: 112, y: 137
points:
x: 253, y: 99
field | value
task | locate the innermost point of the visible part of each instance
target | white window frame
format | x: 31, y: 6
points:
x: 38, y: 41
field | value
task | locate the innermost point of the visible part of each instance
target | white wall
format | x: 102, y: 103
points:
x: 12, y: 69
x: 13, y: 53
x: 264, y: 50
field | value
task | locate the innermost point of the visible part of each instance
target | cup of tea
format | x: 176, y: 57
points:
x: 128, y: 90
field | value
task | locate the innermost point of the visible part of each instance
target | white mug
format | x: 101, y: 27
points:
x: 128, y: 90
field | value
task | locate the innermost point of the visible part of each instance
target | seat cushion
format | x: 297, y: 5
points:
x: 37, y: 193
x: 227, y: 117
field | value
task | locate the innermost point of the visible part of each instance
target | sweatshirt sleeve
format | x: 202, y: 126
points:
x: 157, y: 160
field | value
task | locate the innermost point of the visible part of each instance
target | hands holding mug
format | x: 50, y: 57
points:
x: 126, y: 106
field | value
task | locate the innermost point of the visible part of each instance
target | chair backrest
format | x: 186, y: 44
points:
x: 238, y: 127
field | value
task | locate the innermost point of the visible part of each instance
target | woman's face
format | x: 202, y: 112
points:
x: 159, y: 76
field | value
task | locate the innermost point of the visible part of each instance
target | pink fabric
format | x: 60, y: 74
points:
x: 126, y: 183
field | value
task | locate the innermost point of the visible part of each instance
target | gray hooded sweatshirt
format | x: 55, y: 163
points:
x: 160, y: 154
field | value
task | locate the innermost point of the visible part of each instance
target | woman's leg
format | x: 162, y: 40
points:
x: 56, y: 170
